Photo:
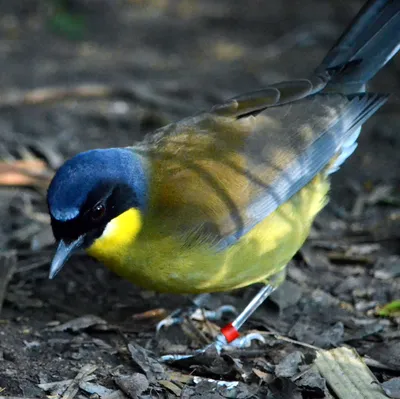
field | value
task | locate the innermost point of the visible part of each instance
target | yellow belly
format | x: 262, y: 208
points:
x: 161, y: 263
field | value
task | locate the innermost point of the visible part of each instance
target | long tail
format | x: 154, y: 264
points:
x: 370, y: 41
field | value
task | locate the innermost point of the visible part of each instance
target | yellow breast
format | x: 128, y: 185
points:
x: 140, y: 252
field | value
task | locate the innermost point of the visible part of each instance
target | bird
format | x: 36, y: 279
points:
x: 224, y: 199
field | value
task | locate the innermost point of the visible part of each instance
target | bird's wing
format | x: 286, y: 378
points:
x: 220, y: 173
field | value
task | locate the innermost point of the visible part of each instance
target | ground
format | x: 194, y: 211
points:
x: 95, y: 73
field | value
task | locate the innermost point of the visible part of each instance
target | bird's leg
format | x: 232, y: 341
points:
x: 229, y: 335
x: 196, y: 312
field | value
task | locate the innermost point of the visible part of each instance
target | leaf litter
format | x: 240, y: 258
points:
x: 90, y: 334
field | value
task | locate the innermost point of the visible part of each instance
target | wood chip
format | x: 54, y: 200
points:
x: 171, y: 387
x: 73, y: 389
x: 80, y: 323
x: 347, y: 374
x: 67, y: 389
x: 179, y: 377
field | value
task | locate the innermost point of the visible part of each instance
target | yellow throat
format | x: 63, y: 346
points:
x: 119, y: 234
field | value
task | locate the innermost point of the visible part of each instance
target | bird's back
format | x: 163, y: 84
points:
x: 221, y: 173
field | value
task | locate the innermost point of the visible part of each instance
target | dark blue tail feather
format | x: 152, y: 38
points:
x: 369, y: 42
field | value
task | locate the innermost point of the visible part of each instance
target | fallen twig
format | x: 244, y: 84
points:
x: 133, y: 91
x: 8, y: 264
x: 24, y: 173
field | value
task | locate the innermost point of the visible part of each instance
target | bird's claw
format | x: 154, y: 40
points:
x: 245, y: 341
x: 196, y: 314
x: 175, y: 358
x: 219, y: 344
x: 202, y: 314
x: 176, y: 317
x: 168, y: 322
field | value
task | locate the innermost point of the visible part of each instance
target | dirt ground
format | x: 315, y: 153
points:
x: 82, y: 74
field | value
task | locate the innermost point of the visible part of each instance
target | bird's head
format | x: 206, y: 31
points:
x: 89, y: 193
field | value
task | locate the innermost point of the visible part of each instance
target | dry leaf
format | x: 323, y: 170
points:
x: 24, y: 173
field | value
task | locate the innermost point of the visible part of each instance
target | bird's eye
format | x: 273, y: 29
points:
x: 97, y: 212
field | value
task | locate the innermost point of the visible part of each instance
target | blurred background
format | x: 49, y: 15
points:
x: 81, y: 74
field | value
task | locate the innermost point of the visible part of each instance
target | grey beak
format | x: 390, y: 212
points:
x: 64, y: 251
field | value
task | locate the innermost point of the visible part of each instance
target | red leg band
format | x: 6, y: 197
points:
x: 230, y: 333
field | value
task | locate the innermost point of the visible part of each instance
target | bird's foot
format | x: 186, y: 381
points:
x: 196, y: 313
x: 229, y: 335
x: 220, y: 344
